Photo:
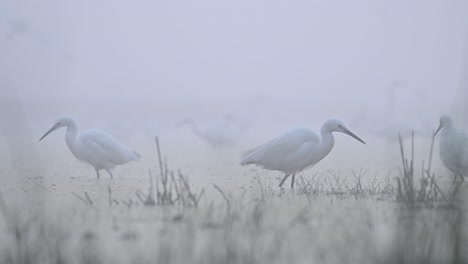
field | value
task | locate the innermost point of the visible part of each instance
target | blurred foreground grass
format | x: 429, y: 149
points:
x: 331, y: 217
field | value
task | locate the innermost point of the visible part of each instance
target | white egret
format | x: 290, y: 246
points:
x: 296, y: 150
x: 95, y: 147
x: 453, y: 147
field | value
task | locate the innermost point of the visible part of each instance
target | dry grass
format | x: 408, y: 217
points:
x: 356, y: 183
x: 432, y: 225
x: 426, y: 192
x: 167, y: 188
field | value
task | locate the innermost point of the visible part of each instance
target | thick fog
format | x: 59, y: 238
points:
x: 137, y: 68
x: 213, y: 80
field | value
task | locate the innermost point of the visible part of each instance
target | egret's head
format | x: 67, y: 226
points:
x: 61, y: 122
x: 445, y: 121
x: 335, y: 125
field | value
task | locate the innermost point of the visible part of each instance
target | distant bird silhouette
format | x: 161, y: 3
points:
x: 227, y: 133
x: 19, y: 27
x: 387, y: 125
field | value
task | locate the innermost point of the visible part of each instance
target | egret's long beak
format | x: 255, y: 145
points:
x: 346, y: 131
x: 438, y: 129
x: 48, y: 132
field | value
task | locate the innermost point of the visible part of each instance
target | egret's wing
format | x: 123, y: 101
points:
x: 454, y: 150
x: 465, y: 153
x: 104, y: 148
x: 273, y: 154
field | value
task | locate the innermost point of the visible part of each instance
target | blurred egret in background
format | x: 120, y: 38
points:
x: 227, y: 133
x: 396, y: 118
x: 296, y: 150
x: 20, y: 27
x: 95, y: 147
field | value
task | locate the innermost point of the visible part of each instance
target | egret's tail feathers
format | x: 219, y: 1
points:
x: 246, y: 157
x: 245, y: 162
x: 137, y: 156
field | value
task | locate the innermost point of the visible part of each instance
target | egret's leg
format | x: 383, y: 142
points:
x: 292, y: 180
x: 284, y: 179
x: 110, y: 173
x: 456, y: 175
x: 97, y: 173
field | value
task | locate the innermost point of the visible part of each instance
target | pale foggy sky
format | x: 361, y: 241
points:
x: 170, y: 54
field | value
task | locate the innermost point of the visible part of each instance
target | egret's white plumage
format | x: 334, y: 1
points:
x: 95, y: 147
x: 296, y: 150
x: 453, y: 147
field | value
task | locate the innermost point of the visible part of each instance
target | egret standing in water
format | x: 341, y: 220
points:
x: 296, y: 150
x: 95, y: 147
x: 453, y: 147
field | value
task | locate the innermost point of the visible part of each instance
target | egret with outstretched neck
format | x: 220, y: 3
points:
x: 95, y: 147
x: 296, y: 150
x: 453, y: 147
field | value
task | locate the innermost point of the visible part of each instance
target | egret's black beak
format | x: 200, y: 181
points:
x: 438, y: 129
x: 346, y: 131
x: 48, y: 132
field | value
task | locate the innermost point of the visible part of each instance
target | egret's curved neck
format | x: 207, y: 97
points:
x: 328, y: 140
x: 448, y: 125
x: 70, y: 136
